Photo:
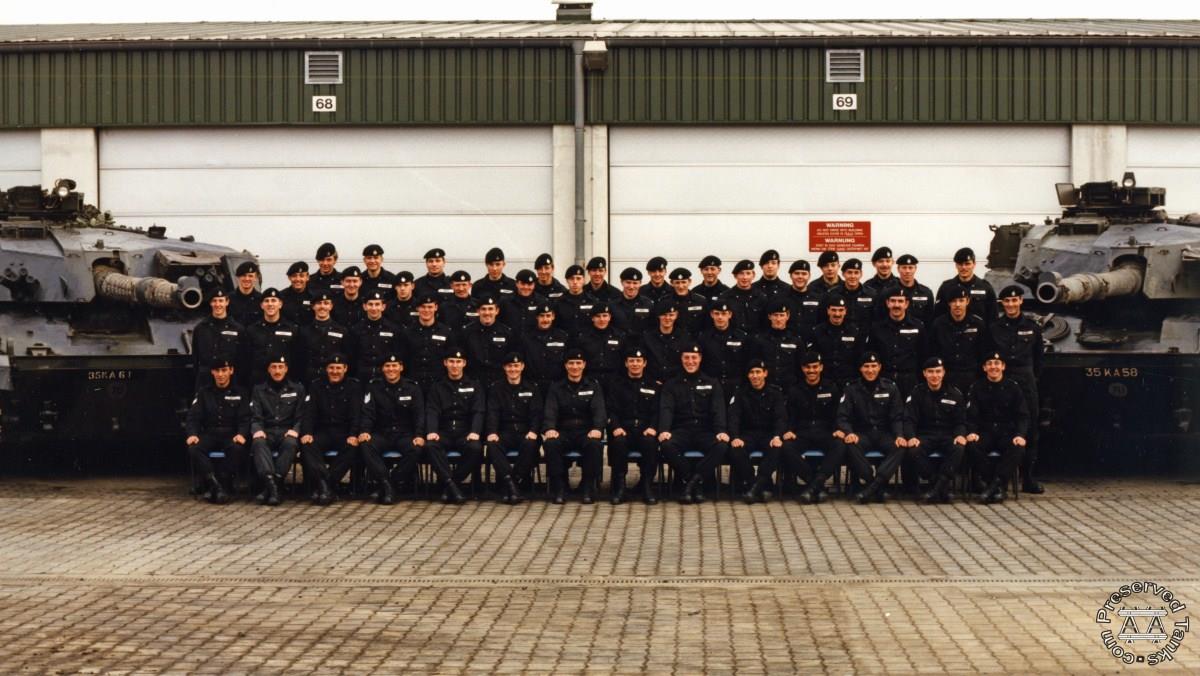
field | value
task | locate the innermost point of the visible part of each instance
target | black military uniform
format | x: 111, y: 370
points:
x: 382, y: 281
x: 996, y: 411
x: 961, y: 343
x: 902, y: 346
x: 693, y: 411
x: 633, y: 315
x: 692, y: 307
x: 245, y: 308
x: 877, y: 283
x: 218, y: 415
x: 770, y: 287
x: 297, y: 303
x: 632, y: 405
x: 347, y: 308
x: 603, y: 349
x: 1019, y: 340
x: 574, y: 409
x: 265, y: 339
x: 330, y: 416
x: 873, y: 410
x: 393, y: 415
x: 275, y: 408
x: 519, y: 311
x: 757, y: 418
x: 402, y: 311
x: 710, y: 292
x: 812, y: 418
x: 374, y: 339
x: 429, y: 284
x: 213, y: 339
x: 920, y: 297
x: 936, y: 418
x: 779, y: 348
x: 726, y: 352
x: 544, y: 350
x: 573, y: 312
x: 860, y: 301
x: 501, y: 287
x: 605, y: 292
x: 454, y: 410
x: 749, y: 304
x: 820, y: 285
x: 553, y: 289
x: 319, y: 341
x: 331, y: 282
x: 663, y: 349
x: 458, y: 311
x: 514, y: 413
x: 981, y: 293
x: 804, y: 306
x: 649, y: 289
x: 839, y: 345
x: 426, y: 346
x: 485, y: 346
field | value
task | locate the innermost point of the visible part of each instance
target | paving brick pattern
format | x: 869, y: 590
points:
x: 133, y: 576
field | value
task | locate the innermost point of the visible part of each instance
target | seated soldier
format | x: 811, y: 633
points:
x: 935, y: 421
x: 218, y: 421
x: 574, y: 421
x: 631, y: 401
x: 454, y: 413
x: 393, y: 419
x: 692, y: 418
x: 812, y: 426
x: 514, y: 417
x: 757, y: 422
x: 275, y: 408
x: 997, y: 421
x: 329, y: 423
x: 871, y: 415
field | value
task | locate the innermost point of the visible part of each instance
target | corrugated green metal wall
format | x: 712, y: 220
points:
x: 501, y: 85
x: 903, y: 84
x: 532, y: 85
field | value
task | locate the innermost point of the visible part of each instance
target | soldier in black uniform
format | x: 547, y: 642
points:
x: 393, y: 419
x: 598, y: 286
x: 454, y: 413
x: 1019, y: 340
x: 486, y: 342
x: 997, y: 420
x: 779, y: 346
x: 329, y: 422
x: 275, y: 408
x: 882, y: 261
x: 271, y: 335
x: 726, y: 348
x: 871, y: 416
x: 935, y: 420
x: 573, y: 308
x: 829, y: 264
x: 515, y: 406
x: 692, y: 307
x: 770, y: 284
x: 495, y: 284
x: 460, y: 309
x: 664, y: 343
x: 920, y: 297
x: 297, y: 300
x: 427, y: 342
x: 959, y: 338
x: 710, y: 286
x: 216, y: 336
x: 632, y: 403
x: 812, y: 426
x: 376, y: 277
x: 804, y: 304
x: 327, y: 277
x: 322, y: 339
x: 979, y: 291
x: 748, y: 302
x: 860, y: 301
x: 434, y: 282
x: 245, y: 303
x: 218, y: 420
x: 402, y: 306
x: 574, y: 420
x: 374, y: 338
x: 692, y: 417
x: 657, y: 286
x: 547, y: 286
x: 601, y: 344
x: 900, y: 340
x: 840, y: 342
x: 757, y: 422
x: 544, y: 348
x: 519, y: 311
x: 631, y: 310
x: 347, y: 306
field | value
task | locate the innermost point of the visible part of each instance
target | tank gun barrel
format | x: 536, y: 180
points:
x: 154, y: 291
x: 1124, y: 280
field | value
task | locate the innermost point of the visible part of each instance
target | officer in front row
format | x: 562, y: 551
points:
x: 454, y: 412
x: 218, y: 420
x: 997, y: 422
x: 574, y: 421
x: 329, y: 423
x: 871, y: 416
x: 515, y: 406
x: 392, y: 420
x: 632, y: 403
x: 935, y: 422
x: 275, y: 408
x: 692, y: 418
x: 812, y: 426
x: 757, y: 422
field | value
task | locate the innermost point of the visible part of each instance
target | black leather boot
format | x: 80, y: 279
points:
x: 618, y: 489
x: 648, y: 493
x: 217, y: 494
x: 324, y: 495
x: 272, y: 492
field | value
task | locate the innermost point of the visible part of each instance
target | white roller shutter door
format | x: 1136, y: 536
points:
x: 20, y: 158
x: 280, y: 192
x: 1168, y: 157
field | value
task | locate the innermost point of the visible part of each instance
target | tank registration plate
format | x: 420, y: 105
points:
x: 1114, y: 372
x: 123, y: 374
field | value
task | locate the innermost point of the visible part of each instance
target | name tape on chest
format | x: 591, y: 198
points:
x: 335, y: 334
x: 950, y: 402
x: 229, y: 333
x: 466, y: 390
x: 644, y: 390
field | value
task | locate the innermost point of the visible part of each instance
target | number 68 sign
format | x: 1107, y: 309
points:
x: 324, y: 104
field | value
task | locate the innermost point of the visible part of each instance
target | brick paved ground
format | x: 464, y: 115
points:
x: 134, y: 576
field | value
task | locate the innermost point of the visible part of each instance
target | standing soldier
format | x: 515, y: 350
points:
x: 1019, y: 340
x: 275, y: 408
x: 961, y: 339
x: 601, y: 344
x: 217, y: 335
x: 402, y: 307
x: 726, y: 348
x: 860, y: 301
x: 270, y: 336
x: 757, y: 422
x: 882, y: 261
x: 935, y: 421
x: 770, y: 284
x: 598, y: 286
x: 747, y: 301
x: 375, y: 276
x: 544, y: 348
x: 657, y: 287
x: 631, y: 310
x: 573, y: 309
x: 979, y: 291
x: 486, y: 342
x: 871, y: 416
x: 574, y: 420
x: 297, y: 301
x: 461, y: 308
x: 495, y: 284
x: 632, y: 403
x: 920, y: 297
x: 838, y: 341
x: 900, y: 340
x: 692, y: 416
x: 664, y: 343
x: 347, y: 306
x: 692, y: 307
x: 779, y: 346
x: 245, y: 303
x: 322, y: 339
x: 519, y: 310
x: 829, y: 264
x: 329, y: 423
x: 514, y: 418
x: 803, y: 303
x: 434, y: 282
x: 374, y: 338
x: 812, y: 426
x: 547, y: 286
x: 393, y: 419
x: 711, y: 287
x: 218, y: 420
x: 454, y: 412
x: 327, y: 277
x: 997, y: 421
x: 427, y: 342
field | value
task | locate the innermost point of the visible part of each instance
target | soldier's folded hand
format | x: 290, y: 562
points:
x: 618, y: 432
x: 353, y: 441
x: 364, y: 437
x: 239, y: 439
x: 737, y: 443
x: 193, y: 440
x: 776, y: 442
x: 306, y: 439
x: 851, y: 438
x: 291, y: 433
x: 493, y: 438
x: 1019, y: 441
x: 722, y: 437
x: 472, y: 437
x: 531, y: 435
x: 595, y: 434
x: 551, y: 434
x: 260, y: 435
x: 665, y: 436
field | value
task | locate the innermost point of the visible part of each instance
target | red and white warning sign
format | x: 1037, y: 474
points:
x: 839, y: 235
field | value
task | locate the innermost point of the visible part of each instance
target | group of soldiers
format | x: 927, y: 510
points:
x: 785, y: 380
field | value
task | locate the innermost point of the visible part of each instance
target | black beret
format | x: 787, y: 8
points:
x: 743, y: 265
x: 993, y: 356
x: 488, y: 300
x: 372, y: 250
x: 374, y: 295
x: 756, y: 364
x: 574, y: 354
x: 634, y: 352
x: 892, y: 290
x: 297, y: 268
x: 718, y: 305
x: 460, y: 276
x: 278, y: 359
x: 1011, y: 291
x: 351, y: 271
x: 427, y: 299
x: 493, y: 255
x: 543, y: 260
x: 799, y: 265
x: 932, y: 363
x: 322, y: 296
x: 513, y: 358
x: 964, y: 255
x: 391, y: 358
x: 326, y: 250
x: 220, y: 363
x: 664, y: 306
x: 217, y: 293
x: 826, y: 258
x: 811, y: 357
x: 692, y: 348
x: 270, y: 292
x: 869, y: 357
x: 455, y: 353
x: 631, y: 275
x: 881, y: 252
x: 526, y: 276
x: 336, y: 358
x: 852, y: 264
x: 710, y: 261
x: 835, y: 300
x: 907, y: 259
x: 597, y: 263
x: 574, y: 271
x: 655, y: 264
x: 404, y: 277
x: 600, y: 308
x: 435, y: 253
x: 545, y: 309
x: 246, y: 268
x: 955, y: 292
x: 768, y: 256
x: 680, y: 273
x: 777, y: 307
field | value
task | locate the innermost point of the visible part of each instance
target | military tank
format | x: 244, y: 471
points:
x: 95, y: 327
x: 1114, y: 282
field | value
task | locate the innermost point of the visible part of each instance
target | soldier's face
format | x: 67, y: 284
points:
x: 601, y: 320
x: 461, y: 289
x: 434, y: 265
x: 351, y: 285
x: 657, y: 276
x: 545, y: 274
x: 487, y: 314
x: 883, y: 266
x: 630, y: 287
x: 934, y: 376
x: 690, y: 361
x: 812, y: 372
x: 373, y: 263
x: 374, y: 308
x: 270, y: 307
x: 830, y: 270
x: 298, y: 280
x: 575, y: 368
x: 525, y: 289
x: 246, y: 281
x: 335, y: 372
x: 720, y: 318
x: 454, y: 367
x: 757, y: 377
x: 710, y: 273
x: 897, y: 306
x: 575, y: 284
x: 222, y: 376
x: 745, y: 278
x: 778, y: 320
x: 994, y: 370
x: 635, y: 366
x: 958, y: 307
x: 596, y: 276
x: 1012, y: 306
x: 495, y: 269
x: 325, y: 265
x: 852, y: 277
x: 869, y: 371
x: 426, y: 312
x: 666, y: 321
x: 322, y: 308
x: 800, y: 278
x: 513, y: 371
x: 770, y: 269
x: 545, y: 320
x: 966, y: 269
x: 392, y: 371
x: 277, y: 370
x: 219, y: 306
x: 682, y: 287
x: 908, y: 273
x: 404, y: 290
x: 837, y: 314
